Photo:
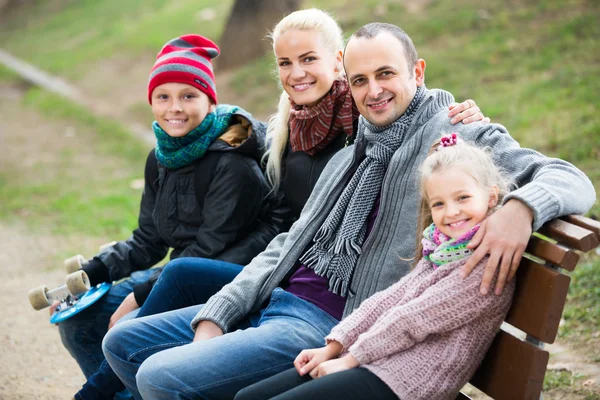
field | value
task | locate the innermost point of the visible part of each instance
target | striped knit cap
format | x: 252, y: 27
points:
x: 186, y: 59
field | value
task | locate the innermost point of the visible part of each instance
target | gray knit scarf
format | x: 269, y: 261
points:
x: 337, y: 244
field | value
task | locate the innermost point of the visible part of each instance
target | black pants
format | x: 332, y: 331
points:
x: 356, y: 383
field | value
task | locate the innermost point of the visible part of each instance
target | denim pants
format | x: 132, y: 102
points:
x: 183, y: 282
x: 155, y: 357
x: 82, y: 334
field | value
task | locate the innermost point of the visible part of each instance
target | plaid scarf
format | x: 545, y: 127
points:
x: 337, y: 244
x: 312, y: 128
x: 440, y: 249
x: 177, y: 152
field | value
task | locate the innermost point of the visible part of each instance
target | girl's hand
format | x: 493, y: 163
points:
x: 309, y: 359
x: 467, y: 112
x: 333, y: 366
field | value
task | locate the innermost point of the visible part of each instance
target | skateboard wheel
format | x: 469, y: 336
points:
x: 107, y: 245
x: 38, y: 298
x: 77, y: 282
x: 75, y: 263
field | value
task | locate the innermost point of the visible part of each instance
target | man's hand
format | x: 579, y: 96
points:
x: 467, y: 112
x: 127, y: 306
x: 309, y: 359
x: 333, y: 366
x: 504, y: 236
x: 207, y: 330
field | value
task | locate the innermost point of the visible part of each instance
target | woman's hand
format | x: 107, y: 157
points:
x: 333, y: 366
x: 128, y: 305
x: 309, y: 359
x: 467, y: 112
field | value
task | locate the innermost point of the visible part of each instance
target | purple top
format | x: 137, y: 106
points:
x: 307, y: 285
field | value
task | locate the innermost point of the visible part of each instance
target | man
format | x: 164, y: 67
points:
x: 349, y: 241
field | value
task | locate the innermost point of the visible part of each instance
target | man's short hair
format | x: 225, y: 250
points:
x: 373, y: 29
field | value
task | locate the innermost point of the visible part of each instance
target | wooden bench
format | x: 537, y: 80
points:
x: 514, y: 369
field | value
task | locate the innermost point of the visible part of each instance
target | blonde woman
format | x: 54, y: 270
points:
x: 316, y: 116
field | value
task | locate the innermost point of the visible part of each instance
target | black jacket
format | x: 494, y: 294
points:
x: 238, y: 219
x: 301, y: 172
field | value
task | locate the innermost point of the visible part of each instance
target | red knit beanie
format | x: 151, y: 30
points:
x: 186, y: 59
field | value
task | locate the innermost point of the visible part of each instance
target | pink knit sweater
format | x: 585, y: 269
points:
x: 425, y: 335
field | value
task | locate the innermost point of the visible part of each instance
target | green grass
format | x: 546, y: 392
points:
x: 76, y: 194
x: 559, y: 379
x: 7, y: 75
x: 65, y: 40
x: 582, y: 310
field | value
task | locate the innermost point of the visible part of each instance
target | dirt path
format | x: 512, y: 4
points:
x: 33, y: 362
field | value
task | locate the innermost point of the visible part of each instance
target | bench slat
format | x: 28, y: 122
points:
x: 557, y: 254
x: 584, y: 222
x: 462, y: 396
x: 512, y: 369
x: 571, y: 235
x: 538, y: 301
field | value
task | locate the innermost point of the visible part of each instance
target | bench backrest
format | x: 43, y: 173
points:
x: 514, y: 368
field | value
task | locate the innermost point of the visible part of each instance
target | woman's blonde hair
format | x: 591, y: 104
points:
x: 474, y: 161
x: 277, y: 132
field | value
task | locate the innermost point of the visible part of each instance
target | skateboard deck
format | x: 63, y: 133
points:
x: 75, y: 295
x: 74, y: 306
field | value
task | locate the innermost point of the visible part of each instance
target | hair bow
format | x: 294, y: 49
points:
x: 449, y: 140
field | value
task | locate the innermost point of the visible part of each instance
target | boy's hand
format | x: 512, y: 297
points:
x: 207, y: 330
x: 53, y: 308
x: 337, y: 365
x: 128, y: 305
x: 309, y: 359
x: 504, y: 236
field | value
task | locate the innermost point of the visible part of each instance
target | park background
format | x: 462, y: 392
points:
x: 71, y: 167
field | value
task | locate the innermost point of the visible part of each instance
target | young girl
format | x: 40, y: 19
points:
x: 423, y: 337
x: 204, y: 194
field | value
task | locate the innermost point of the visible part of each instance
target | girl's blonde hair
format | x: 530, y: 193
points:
x: 277, y: 132
x: 474, y: 161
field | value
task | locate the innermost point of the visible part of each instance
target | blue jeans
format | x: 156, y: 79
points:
x: 156, y: 358
x: 82, y: 334
x: 183, y: 282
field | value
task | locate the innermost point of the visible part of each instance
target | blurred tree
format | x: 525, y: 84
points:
x: 248, y: 24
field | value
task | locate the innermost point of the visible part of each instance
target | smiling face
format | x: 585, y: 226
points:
x: 382, y: 83
x: 179, y: 108
x: 457, y: 202
x: 307, y: 67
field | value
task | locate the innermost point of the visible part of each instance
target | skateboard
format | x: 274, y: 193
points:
x: 75, y: 295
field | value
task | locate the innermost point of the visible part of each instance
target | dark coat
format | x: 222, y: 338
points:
x: 238, y: 219
x: 301, y: 172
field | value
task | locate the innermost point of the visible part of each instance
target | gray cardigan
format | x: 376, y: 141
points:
x: 550, y: 187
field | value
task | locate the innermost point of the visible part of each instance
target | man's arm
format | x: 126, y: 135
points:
x: 547, y: 188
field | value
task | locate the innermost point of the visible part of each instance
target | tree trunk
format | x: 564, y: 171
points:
x: 245, y: 34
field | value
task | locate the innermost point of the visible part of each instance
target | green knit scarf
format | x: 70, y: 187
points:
x: 441, y: 249
x: 177, y: 152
